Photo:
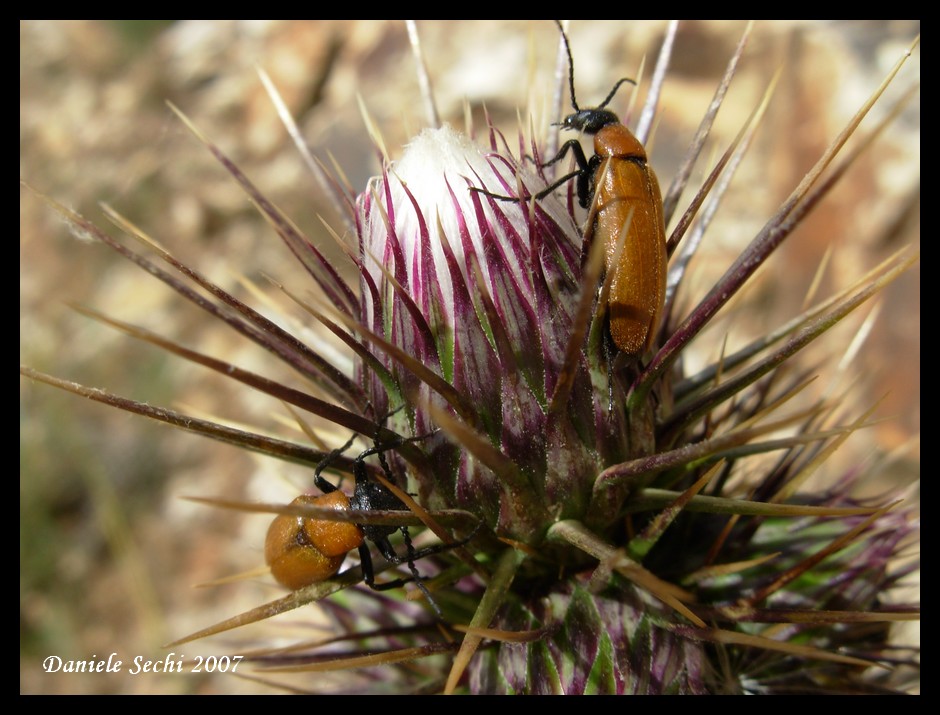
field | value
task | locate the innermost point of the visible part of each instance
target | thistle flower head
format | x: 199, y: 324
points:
x: 482, y: 292
x: 477, y: 288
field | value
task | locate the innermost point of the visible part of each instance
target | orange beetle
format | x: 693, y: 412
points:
x: 623, y: 194
x: 302, y: 551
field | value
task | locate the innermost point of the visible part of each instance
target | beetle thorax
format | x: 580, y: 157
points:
x: 615, y: 140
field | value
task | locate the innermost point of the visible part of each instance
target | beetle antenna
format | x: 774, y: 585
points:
x: 322, y: 483
x: 564, y: 37
x: 614, y: 91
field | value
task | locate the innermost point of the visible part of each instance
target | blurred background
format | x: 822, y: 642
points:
x: 109, y: 552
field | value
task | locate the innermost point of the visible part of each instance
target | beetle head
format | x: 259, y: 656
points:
x: 589, y: 121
